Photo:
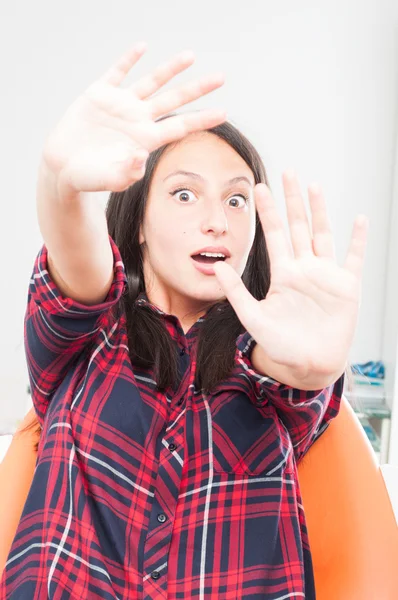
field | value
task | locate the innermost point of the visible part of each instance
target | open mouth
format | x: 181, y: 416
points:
x: 209, y: 260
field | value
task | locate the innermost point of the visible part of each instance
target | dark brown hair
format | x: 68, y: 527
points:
x: 149, y: 343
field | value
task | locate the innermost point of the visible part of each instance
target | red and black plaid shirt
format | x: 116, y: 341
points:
x: 139, y: 494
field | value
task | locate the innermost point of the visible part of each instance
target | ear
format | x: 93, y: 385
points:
x: 141, y: 238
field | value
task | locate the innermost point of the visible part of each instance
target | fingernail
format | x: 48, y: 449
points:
x: 141, y: 46
x: 315, y: 188
x: 142, y: 157
x: 362, y: 220
x: 218, y: 77
x: 220, y: 114
x: 290, y: 174
x: 187, y: 55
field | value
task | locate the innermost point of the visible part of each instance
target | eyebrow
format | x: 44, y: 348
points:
x: 199, y: 177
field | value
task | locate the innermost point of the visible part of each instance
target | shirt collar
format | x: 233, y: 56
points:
x: 142, y: 299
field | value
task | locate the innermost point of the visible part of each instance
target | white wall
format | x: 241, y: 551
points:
x: 313, y: 84
x: 390, y: 329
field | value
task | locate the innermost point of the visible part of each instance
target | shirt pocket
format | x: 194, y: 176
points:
x: 248, y: 438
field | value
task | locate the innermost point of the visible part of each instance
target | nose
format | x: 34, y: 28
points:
x: 215, y: 220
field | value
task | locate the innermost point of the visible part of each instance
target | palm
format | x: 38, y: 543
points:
x: 315, y: 300
x: 308, y: 317
x: 105, y: 132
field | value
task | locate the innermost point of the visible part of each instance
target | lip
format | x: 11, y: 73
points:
x: 219, y: 249
x: 207, y: 269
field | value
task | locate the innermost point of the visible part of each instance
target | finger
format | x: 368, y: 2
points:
x: 241, y: 300
x: 150, y: 84
x: 322, y: 237
x: 177, y: 127
x: 300, y: 232
x: 356, y: 253
x: 136, y: 164
x: 122, y: 66
x: 173, y: 99
x: 123, y: 174
x: 275, y: 236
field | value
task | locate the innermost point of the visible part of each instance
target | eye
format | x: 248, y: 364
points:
x: 242, y: 197
x: 186, y: 193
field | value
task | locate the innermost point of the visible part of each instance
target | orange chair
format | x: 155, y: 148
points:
x: 351, y: 525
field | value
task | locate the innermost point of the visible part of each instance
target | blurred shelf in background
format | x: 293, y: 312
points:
x: 367, y: 397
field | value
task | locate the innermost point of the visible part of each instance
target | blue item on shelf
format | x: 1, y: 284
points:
x: 371, y: 369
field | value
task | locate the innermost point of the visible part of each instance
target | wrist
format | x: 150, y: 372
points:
x: 302, y: 378
x: 56, y: 182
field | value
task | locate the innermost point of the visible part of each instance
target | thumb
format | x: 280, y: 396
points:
x: 136, y: 163
x: 243, y: 303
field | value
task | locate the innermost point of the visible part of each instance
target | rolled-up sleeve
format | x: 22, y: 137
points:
x: 57, y: 328
x: 305, y: 414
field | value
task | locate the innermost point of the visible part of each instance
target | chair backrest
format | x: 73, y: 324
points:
x: 16, y: 474
x: 351, y: 525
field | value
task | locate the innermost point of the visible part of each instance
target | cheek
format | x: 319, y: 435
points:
x: 167, y: 239
x: 244, y: 230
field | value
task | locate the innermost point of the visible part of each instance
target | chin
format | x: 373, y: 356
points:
x: 210, y: 292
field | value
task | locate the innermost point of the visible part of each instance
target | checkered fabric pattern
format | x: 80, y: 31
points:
x: 139, y: 494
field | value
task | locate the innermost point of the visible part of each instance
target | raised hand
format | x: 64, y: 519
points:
x: 307, y: 320
x: 104, y: 138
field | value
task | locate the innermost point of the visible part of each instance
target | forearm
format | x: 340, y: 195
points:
x: 298, y: 379
x: 74, y: 229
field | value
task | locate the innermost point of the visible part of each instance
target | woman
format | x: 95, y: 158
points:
x: 179, y: 366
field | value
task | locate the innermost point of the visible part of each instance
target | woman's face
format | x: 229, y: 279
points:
x: 209, y: 210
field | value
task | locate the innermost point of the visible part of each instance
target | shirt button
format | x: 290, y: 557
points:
x: 182, y: 352
x: 155, y: 574
x: 162, y: 518
x: 172, y: 447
